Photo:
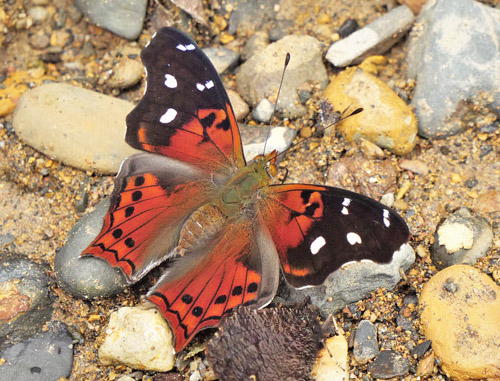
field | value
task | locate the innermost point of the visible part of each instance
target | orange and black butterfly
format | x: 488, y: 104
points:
x: 193, y: 198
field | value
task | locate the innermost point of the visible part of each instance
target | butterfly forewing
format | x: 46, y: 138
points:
x: 318, y: 229
x: 185, y: 112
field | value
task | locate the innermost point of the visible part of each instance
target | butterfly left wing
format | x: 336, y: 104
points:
x: 185, y: 112
x: 239, y: 267
x: 152, y: 197
x: 318, y: 229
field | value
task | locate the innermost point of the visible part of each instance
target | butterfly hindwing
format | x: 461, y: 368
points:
x: 318, y: 229
x: 152, y: 197
x: 185, y: 112
x: 239, y: 267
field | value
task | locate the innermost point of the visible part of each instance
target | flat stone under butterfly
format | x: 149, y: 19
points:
x: 193, y: 197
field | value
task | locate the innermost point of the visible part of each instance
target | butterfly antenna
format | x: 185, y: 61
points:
x: 357, y: 111
x: 287, y: 61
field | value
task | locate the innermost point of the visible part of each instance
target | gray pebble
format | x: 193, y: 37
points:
x: 389, y: 364
x: 365, y: 342
x: 263, y: 111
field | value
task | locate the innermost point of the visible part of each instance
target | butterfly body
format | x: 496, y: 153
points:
x: 192, y: 198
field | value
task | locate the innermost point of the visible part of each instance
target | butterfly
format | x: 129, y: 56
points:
x: 192, y: 197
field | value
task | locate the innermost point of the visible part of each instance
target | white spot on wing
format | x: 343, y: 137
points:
x: 346, y: 202
x: 353, y: 238
x: 345, y: 211
x: 387, y: 222
x: 200, y: 87
x: 209, y: 84
x: 181, y: 47
x: 169, y: 115
x: 146, y: 82
x: 317, y: 244
x: 170, y: 81
x: 190, y: 47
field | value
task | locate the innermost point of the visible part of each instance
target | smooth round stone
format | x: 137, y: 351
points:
x: 461, y: 316
x: 386, y: 120
x: 25, y: 304
x: 87, y: 277
x: 82, y: 128
x: 127, y: 73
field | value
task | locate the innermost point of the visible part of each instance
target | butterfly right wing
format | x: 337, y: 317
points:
x: 152, y: 197
x: 239, y: 266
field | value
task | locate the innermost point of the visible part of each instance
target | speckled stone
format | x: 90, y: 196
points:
x: 140, y: 338
x: 386, y: 120
x: 461, y: 316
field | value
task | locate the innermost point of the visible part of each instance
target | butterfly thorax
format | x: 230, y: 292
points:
x: 233, y: 200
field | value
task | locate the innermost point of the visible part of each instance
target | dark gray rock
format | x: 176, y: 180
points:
x: 46, y: 357
x: 351, y: 283
x: 389, y: 364
x: 420, y: 349
x: 365, y: 342
x: 462, y: 238
x: 375, y: 38
x: 453, y: 56
x: 26, y: 304
x: 124, y: 18
x: 87, y: 277
x: 223, y: 59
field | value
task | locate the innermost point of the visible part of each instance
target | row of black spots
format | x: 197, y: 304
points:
x: 221, y: 299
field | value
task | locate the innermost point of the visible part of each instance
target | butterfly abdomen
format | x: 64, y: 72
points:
x: 201, y: 225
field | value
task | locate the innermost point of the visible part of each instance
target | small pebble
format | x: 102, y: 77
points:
x: 263, y: 111
x: 365, y: 342
x: 389, y: 364
x: 126, y: 73
x: 415, y: 166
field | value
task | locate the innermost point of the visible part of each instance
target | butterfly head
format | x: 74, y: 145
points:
x: 268, y: 163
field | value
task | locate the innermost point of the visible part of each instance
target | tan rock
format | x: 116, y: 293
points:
x: 240, y: 107
x: 79, y: 127
x: 332, y: 364
x: 461, y: 315
x: 140, y: 338
x: 386, y: 120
